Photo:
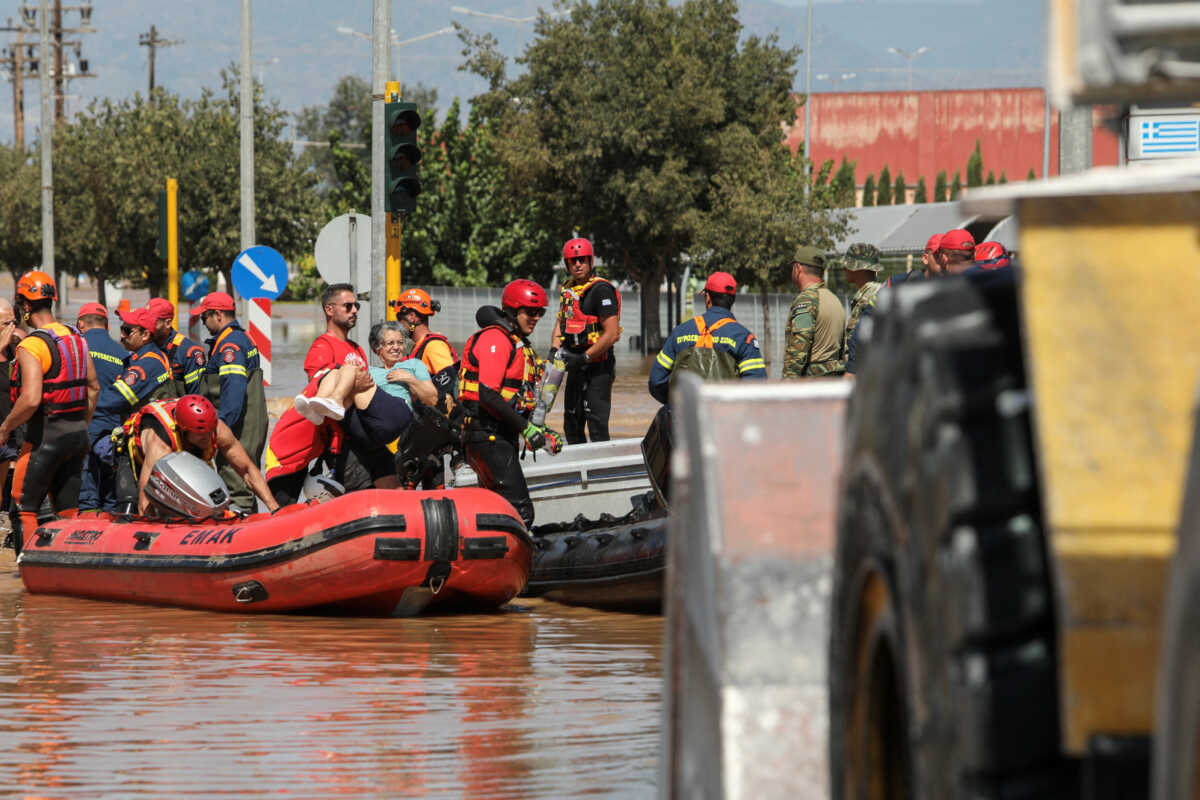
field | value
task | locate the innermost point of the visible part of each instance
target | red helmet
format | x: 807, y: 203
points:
x: 523, y: 293
x: 418, y: 300
x: 576, y: 248
x: 991, y: 255
x: 36, y: 285
x: 195, y: 413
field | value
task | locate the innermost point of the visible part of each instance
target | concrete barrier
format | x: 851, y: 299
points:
x: 754, y: 487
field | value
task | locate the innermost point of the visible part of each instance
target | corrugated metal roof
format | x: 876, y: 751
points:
x: 874, y: 223
x: 926, y: 220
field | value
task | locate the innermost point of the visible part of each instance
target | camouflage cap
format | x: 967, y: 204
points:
x: 806, y: 254
x: 862, y: 256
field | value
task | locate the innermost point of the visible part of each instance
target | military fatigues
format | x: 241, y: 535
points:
x: 864, y: 298
x: 814, y: 335
x: 233, y: 380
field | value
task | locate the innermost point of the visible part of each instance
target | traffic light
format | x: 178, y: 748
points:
x: 403, y: 155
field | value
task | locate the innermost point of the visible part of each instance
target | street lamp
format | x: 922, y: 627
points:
x: 845, y: 76
x: 262, y: 70
x: 395, y: 41
x: 519, y: 20
x: 911, y: 57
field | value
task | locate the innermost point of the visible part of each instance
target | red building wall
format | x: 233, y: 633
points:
x: 920, y: 133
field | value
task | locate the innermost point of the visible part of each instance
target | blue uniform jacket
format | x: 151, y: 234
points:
x: 733, y: 337
x: 108, y: 357
x: 232, y: 357
x: 145, y: 371
x: 187, y: 361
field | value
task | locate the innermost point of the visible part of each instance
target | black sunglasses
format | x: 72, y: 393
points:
x: 578, y: 259
x: 126, y: 330
x: 347, y: 306
x: 533, y: 311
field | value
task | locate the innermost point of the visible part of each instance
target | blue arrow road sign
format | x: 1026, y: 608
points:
x: 195, y: 284
x: 259, y: 272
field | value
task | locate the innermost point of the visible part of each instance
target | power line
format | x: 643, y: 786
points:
x: 154, y: 41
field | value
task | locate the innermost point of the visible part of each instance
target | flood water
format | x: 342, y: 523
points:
x: 113, y: 700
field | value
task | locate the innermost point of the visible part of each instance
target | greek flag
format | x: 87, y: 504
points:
x: 1173, y: 137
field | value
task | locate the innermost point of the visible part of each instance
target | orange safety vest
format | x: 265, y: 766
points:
x: 521, y: 375
x: 577, y: 328
x: 163, y: 412
x: 64, y: 385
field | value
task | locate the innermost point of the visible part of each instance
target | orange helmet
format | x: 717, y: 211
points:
x: 418, y: 300
x: 36, y: 285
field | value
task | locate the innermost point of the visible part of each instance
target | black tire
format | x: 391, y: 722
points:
x: 1177, y: 713
x: 942, y: 663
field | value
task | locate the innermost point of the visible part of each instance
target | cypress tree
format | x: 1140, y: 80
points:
x: 843, y: 184
x: 883, y: 195
x: 939, y: 188
x: 900, y: 191
x: 955, y: 186
x: 919, y: 194
x: 1003, y: 177
x: 869, y: 191
x: 975, y: 167
x: 1032, y: 176
x: 991, y: 178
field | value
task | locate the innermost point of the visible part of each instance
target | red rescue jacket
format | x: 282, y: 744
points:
x: 64, y: 385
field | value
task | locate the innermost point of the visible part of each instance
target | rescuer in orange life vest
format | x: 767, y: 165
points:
x: 54, y: 389
x: 189, y: 424
x: 497, y: 387
x: 587, y: 327
x: 415, y: 307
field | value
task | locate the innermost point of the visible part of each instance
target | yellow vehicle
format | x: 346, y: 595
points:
x: 1016, y: 598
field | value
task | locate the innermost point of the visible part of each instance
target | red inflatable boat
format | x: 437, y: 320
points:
x: 373, y: 552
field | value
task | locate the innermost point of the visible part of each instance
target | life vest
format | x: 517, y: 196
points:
x: 577, y: 328
x: 64, y: 385
x: 163, y: 411
x: 705, y: 358
x: 521, y: 375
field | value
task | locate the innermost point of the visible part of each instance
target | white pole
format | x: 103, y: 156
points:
x: 47, y: 152
x: 247, y: 117
x: 808, y: 99
x: 380, y: 69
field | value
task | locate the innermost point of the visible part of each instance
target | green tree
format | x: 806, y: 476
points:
x: 900, y: 191
x: 920, y: 194
x: 1003, y: 177
x: 939, y: 187
x: 991, y: 178
x: 975, y: 167
x: 615, y: 127
x: 955, y: 186
x: 1032, y: 176
x: 843, y: 184
x: 883, y: 195
x: 20, y: 212
x: 868, y: 198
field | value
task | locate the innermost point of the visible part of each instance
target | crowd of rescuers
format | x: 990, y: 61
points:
x: 83, y: 420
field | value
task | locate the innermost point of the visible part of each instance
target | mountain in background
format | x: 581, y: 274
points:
x: 300, y: 54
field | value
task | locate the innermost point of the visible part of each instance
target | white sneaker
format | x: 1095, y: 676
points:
x: 305, y: 408
x: 326, y: 407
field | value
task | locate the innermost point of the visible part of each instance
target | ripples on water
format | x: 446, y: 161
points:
x: 113, y: 700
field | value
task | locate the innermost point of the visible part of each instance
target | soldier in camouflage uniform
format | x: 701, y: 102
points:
x: 816, y: 321
x: 862, y: 266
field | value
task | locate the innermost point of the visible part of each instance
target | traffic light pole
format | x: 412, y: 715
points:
x: 173, y: 247
x: 395, y: 229
x: 381, y: 29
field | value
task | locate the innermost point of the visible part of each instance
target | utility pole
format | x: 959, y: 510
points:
x: 55, y: 67
x: 153, y: 41
x: 47, y: 143
x: 59, y: 101
x: 14, y: 59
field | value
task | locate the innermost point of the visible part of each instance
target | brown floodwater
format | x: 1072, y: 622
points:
x: 114, y: 700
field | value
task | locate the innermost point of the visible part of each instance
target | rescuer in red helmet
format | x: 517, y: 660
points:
x: 991, y: 255
x: 497, y: 387
x: 188, y: 425
x: 54, y: 389
x: 587, y: 327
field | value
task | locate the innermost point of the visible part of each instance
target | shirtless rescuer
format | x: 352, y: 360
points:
x: 498, y: 389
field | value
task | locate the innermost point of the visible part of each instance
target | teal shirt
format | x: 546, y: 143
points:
x: 413, y: 365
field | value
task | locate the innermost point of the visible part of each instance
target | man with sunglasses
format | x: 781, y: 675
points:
x: 233, y: 381
x: 186, y: 357
x: 334, y: 347
x: 145, y: 376
x: 587, y: 327
x: 497, y: 388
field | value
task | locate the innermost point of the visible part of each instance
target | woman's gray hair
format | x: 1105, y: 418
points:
x: 375, y: 338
